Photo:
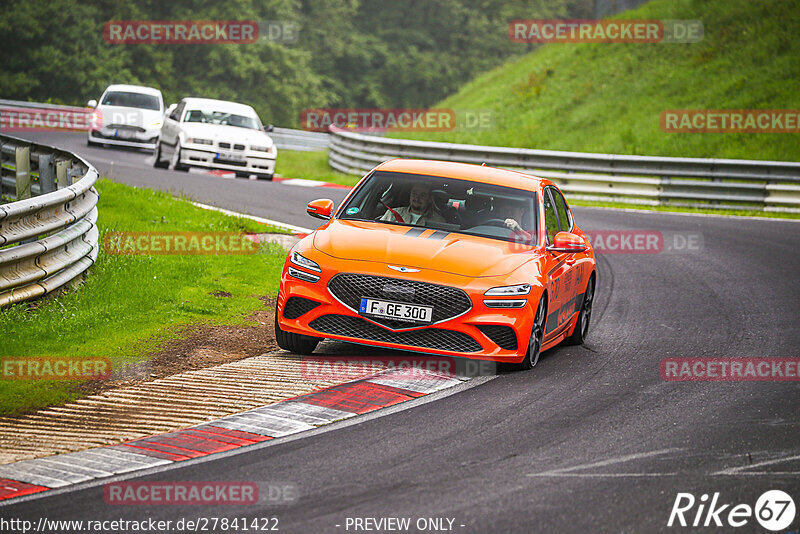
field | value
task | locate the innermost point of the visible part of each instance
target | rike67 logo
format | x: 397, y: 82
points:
x: 774, y: 511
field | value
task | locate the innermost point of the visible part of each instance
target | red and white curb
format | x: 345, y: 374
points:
x: 273, y: 421
x: 298, y: 182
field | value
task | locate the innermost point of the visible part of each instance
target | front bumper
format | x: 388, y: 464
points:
x: 479, y: 333
x: 146, y: 139
x: 263, y: 163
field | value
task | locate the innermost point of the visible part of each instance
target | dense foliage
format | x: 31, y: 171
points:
x: 350, y: 53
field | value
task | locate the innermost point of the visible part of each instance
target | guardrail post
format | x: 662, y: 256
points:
x: 47, y: 174
x: 23, y: 161
x: 73, y: 173
x: 61, y: 173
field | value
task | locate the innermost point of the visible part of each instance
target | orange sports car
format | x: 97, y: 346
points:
x: 441, y: 258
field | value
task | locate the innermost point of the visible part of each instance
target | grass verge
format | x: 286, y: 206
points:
x: 129, y: 305
x: 311, y: 166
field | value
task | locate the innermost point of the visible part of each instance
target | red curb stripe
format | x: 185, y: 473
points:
x: 241, y: 434
x: 11, y: 488
x: 185, y: 441
x: 401, y: 391
x: 217, y: 437
x: 355, y: 397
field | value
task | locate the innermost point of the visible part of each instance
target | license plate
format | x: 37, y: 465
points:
x: 230, y: 157
x: 125, y: 134
x: 400, y: 311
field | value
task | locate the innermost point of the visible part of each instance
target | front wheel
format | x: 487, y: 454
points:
x: 537, y: 334
x: 582, y: 324
x: 296, y: 343
x: 266, y: 176
x: 176, y: 160
x: 157, y: 163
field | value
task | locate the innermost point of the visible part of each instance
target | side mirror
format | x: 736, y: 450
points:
x: 321, y: 208
x: 568, y: 242
x: 269, y: 128
x: 92, y: 103
x: 170, y: 109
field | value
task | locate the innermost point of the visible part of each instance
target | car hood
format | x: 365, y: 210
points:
x: 231, y: 134
x: 402, y: 246
x: 144, y: 118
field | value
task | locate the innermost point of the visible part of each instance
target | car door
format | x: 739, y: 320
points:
x: 571, y: 281
x: 170, y: 130
x: 559, y: 267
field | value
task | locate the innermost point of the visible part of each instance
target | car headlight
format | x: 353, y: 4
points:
x: 510, y: 291
x: 302, y: 261
x: 197, y: 141
x: 259, y: 148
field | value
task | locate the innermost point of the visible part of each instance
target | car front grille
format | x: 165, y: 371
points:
x: 447, y: 302
x: 298, y: 306
x: 224, y: 145
x: 428, y: 338
x: 502, y: 335
x: 238, y: 147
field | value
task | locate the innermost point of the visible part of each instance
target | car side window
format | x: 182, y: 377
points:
x: 564, y: 219
x: 550, y: 217
x: 176, y: 113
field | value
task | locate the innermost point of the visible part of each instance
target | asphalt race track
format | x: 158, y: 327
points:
x: 591, y: 440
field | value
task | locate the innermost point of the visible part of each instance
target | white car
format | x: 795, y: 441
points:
x: 127, y: 115
x: 215, y: 134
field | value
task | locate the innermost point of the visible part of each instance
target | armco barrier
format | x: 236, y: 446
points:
x: 48, y: 232
x: 707, y: 183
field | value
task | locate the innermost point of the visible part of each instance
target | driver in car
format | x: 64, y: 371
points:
x: 420, y: 209
x: 511, y: 212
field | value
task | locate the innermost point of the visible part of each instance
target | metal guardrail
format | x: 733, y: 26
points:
x: 691, y: 182
x: 48, y: 234
x: 288, y: 139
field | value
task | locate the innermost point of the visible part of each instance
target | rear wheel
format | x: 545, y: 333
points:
x: 537, y: 334
x: 240, y: 174
x: 296, y: 343
x: 582, y: 324
x: 265, y: 176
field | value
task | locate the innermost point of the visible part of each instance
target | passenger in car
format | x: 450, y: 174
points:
x: 420, y: 209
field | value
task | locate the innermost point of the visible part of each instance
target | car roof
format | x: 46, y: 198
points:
x: 134, y: 89
x: 464, y: 171
x: 218, y: 105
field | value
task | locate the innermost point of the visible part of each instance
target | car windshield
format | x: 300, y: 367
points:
x: 131, y: 100
x: 208, y: 116
x: 447, y: 204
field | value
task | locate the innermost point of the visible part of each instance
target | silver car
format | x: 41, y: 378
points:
x: 127, y: 115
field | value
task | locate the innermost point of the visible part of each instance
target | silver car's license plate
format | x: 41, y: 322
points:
x: 125, y: 134
x: 400, y: 311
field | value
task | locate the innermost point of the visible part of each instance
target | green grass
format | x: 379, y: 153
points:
x: 311, y: 166
x: 130, y: 304
x: 607, y: 98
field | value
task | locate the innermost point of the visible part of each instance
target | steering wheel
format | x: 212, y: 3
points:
x: 494, y: 222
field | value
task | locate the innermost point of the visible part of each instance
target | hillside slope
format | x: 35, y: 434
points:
x: 608, y: 97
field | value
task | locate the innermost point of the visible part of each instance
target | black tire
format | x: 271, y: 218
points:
x: 265, y: 177
x: 582, y: 324
x: 296, y: 343
x: 157, y: 163
x: 241, y: 174
x: 537, y: 334
x: 178, y: 166
x: 89, y: 142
